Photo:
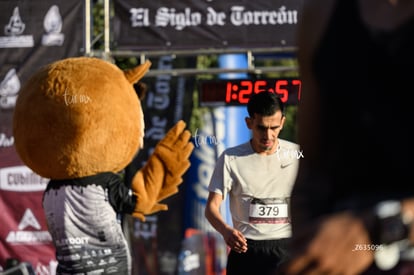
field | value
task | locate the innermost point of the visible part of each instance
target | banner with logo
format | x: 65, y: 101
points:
x: 186, y: 24
x: 32, y: 34
x: 156, y: 242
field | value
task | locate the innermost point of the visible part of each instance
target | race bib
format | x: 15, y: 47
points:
x: 262, y: 211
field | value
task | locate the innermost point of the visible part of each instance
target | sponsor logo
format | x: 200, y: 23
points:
x: 13, y: 33
x: 29, y: 220
x: 9, y: 87
x: 25, y: 236
x: 21, y: 179
x: 53, y: 27
x: 190, y: 261
x: 6, y: 141
x: 77, y: 241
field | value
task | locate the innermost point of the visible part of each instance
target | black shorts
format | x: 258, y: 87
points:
x: 262, y: 257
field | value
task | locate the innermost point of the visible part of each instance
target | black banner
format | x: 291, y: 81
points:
x: 32, y: 34
x: 38, y: 32
x: 155, y: 244
x: 173, y: 25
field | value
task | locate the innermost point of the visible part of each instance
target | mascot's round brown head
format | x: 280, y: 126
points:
x: 79, y: 122
x: 79, y: 117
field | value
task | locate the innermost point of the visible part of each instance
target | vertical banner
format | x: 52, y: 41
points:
x: 197, y: 256
x: 32, y: 34
x: 167, y: 100
x: 208, y: 145
x: 222, y: 127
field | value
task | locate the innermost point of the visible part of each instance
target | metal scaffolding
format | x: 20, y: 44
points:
x: 108, y: 54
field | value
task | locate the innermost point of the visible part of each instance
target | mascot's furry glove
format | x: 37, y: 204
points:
x: 162, y: 173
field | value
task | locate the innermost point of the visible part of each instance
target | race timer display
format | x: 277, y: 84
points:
x: 222, y: 92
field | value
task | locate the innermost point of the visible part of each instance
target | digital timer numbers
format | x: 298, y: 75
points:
x: 241, y: 91
x: 233, y: 92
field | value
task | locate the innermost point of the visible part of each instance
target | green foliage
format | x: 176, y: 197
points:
x: 98, y: 15
x: 289, y: 131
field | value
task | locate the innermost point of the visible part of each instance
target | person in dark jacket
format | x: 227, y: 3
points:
x: 352, y: 203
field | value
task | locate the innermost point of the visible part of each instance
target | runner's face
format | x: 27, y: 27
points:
x: 265, y: 131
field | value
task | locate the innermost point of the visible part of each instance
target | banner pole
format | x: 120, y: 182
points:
x: 107, y: 49
x: 87, y: 27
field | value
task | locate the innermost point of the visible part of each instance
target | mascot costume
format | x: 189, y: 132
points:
x: 79, y: 123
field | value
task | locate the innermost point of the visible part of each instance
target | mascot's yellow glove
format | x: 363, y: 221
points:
x: 163, y: 172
